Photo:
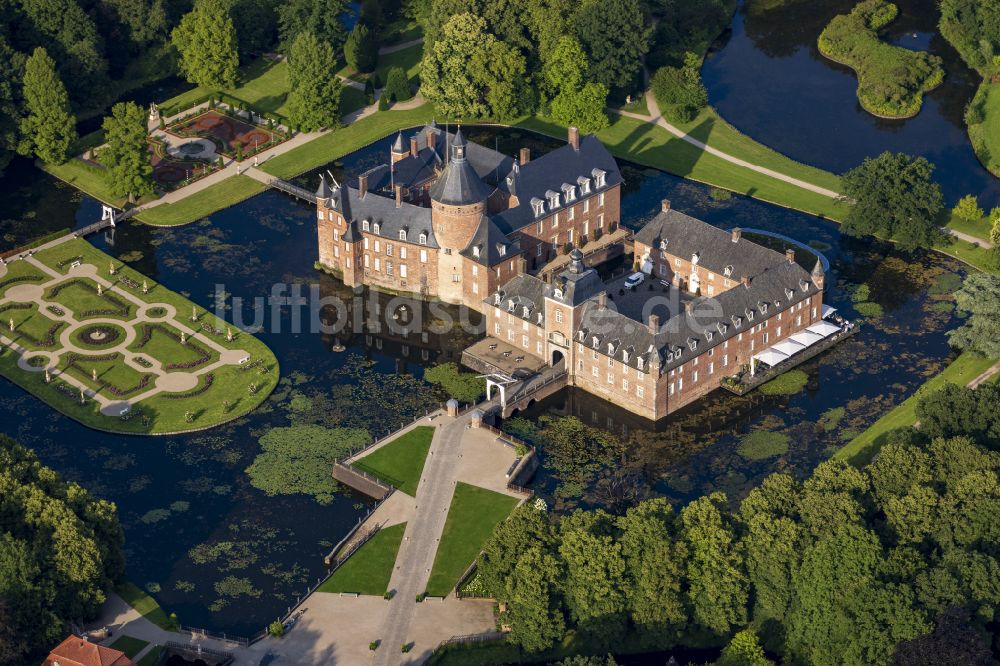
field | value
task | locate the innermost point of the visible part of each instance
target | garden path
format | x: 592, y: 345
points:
x: 402, y: 46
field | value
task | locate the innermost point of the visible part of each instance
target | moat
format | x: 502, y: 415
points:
x: 224, y: 555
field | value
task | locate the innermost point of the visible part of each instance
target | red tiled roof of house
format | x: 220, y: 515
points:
x: 78, y: 652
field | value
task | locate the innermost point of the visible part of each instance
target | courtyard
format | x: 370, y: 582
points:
x: 110, y: 348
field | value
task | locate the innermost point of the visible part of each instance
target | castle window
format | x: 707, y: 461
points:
x: 510, y: 306
x: 388, y: 249
x: 367, y: 260
x: 402, y: 270
x: 336, y: 235
x: 475, y: 252
x: 378, y: 264
x: 525, y: 312
x: 663, y: 243
x: 377, y: 246
x: 727, y: 271
x: 599, y: 178
x: 423, y: 239
x: 557, y: 294
x: 388, y: 268
x: 454, y: 277
x: 364, y: 225
x: 584, y: 184
x: 402, y: 252
x: 600, y: 199
x: 559, y: 317
x: 423, y: 256
x: 319, y: 214
x: 639, y: 363
x: 402, y: 234
x: 366, y: 242
x: 538, y: 206
x: 376, y: 227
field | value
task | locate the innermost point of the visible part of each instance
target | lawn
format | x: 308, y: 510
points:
x: 86, y: 177
x: 79, y: 296
x: 151, y: 657
x: 408, y: 59
x: 638, y: 105
x: 129, y: 645
x: 20, y: 272
x: 221, y: 195
x: 244, y: 387
x: 162, y: 342
x: 985, y: 135
x: 263, y: 86
x: 473, y: 514
x: 979, y: 228
x: 401, y: 461
x: 368, y: 570
x: 32, y: 329
x: 864, y: 447
x: 144, y: 604
x: 114, y: 378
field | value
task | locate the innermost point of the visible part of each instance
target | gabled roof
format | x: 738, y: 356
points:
x: 549, y: 173
x: 493, y: 246
x: 79, y: 652
x: 685, y: 236
x: 459, y: 184
x: 375, y: 208
x: 576, y: 284
x: 523, y: 291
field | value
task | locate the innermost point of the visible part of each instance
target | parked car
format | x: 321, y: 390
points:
x: 634, y: 280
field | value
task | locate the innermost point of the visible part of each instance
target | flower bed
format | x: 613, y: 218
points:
x: 99, y: 335
x: 19, y: 278
x: 233, y: 137
x: 171, y: 172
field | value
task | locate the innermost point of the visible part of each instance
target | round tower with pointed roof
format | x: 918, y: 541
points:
x: 458, y: 203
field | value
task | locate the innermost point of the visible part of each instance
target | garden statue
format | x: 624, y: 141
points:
x: 93, y: 374
x: 111, y: 267
x: 145, y: 287
x: 48, y: 377
x: 82, y: 398
x: 229, y: 334
x: 100, y: 289
x: 194, y: 313
x: 154, y: 113
x: 183, y: 338
x: 12, y: 324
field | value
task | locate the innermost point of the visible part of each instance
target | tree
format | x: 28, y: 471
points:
x: 594, y: 575
x: 361, y: 49
x: 314, y: 98
x: 679, y: 90
x: 206, y: 41
x: 397, y: 86
x: 575, y: 102
x: 995, y: 229
x: 717, y: 585
x: 565, y: 67
x: 615, y: 37
x: 953, y: 411
x: 743, y: 650
x: 146, y: 20
x: 469, y: 73
x: 462, y: 386
x: 534, y: 612
x: 65, y: 28
x: 320, y: 17
x: 953, y: 636
x: 979, y: 297
x: 654, y: 568
x: 126, y: 156
x: 49, y: 128
x: 893, y: 196
x: 525, y: 527
x: 968, y: 209
x: 11, y: 81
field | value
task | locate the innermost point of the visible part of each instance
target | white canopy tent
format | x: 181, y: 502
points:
x: 788, y: 347
x: 824, y: 328
x: 828, y: 310
x: 806, y: 338
x: 771, y: 357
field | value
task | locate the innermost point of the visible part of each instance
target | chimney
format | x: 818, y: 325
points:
x: 431, y: 134
x: 602, y: 300
x: 737, y: 232
x: 665, y: 205
x: 654, y: 324
x: 363, y: 185
x: 399, y: 196
x: 525, y: 156
x: 746, y: 281
x: 574, y: 137
x: 414, y: 149
x: 522, y: 264
x: 790, y: 255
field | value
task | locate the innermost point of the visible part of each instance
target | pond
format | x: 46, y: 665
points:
x: 769, y: 80
x: 224, y: 555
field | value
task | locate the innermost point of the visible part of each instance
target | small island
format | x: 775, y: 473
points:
x: 111, y: 348
x: 892, y: 80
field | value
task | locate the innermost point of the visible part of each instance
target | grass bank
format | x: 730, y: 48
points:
x: 473, y: 514
x: 983, y: 119
x: 401, y: 461
x: 863, y: 448
x: 213, y: 198
x: 892, y: 80
x: 369, y: 569
x: 144, y: 604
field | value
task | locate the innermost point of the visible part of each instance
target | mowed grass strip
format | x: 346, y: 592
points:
x: 863, y: 448
x: 151, y: 657
x: 129, y: 645
x: 473, y: 515
x: 401, y: 461
x: 214, y: 198
x: 144, y: 604
x: 368, y: 570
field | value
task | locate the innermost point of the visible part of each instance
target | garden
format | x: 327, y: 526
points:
x: 173, y: 171
x: 110, y: 348
x: 233, y: 137
x: 891, y: 79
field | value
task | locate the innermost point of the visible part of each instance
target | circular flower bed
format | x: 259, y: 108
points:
x: 156, y: 312
x: 100, y: 335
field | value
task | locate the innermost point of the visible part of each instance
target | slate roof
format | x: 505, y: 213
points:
x: 492, y: 244
x: 459, y: 184
x: 524, y: 291
x: 382, y: 210
x: 564, y: 166
x: 576, y: 284
x: 686, y: 236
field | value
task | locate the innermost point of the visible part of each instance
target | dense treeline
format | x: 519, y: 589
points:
x: 898, y: 562
x: 973, y: 28
x: 60, y: 550
x: 502, y: 58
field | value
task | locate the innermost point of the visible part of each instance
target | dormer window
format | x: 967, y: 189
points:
x: 502, y: 250
x: 538, y: 206
x: 762, y: 307
x: 558, y: 294
x: 803, y: 285
x: 737, y: 321
x: 525, y: 311
x: 611, y: 349
x: 553, y: 198
x: 693, y: 344
x: 599, y: 177
x: 365, y: 225
x: 510, y: 306
x: 496, y: 298
x: 402, y: 234
x: 639, y: 363
x: 789, y: 293
x: 423, y: 239
x: 539, y: 318
x: 569, y: 192
x: 579, y: 335
x: 727, y: 271
x: 625, y: 357
x: 694, y: 259
x: 584, y: 184
x: 722, y: 328
x: 663, y: 243
x: 750, y: 315
x: 708, y: 335
x: 376, y: 227
x: 510, y: 180
x: 475, y: 251
x: 594, y: 341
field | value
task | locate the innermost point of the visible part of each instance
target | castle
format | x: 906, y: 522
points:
x: 452, y: 220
